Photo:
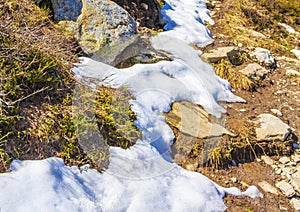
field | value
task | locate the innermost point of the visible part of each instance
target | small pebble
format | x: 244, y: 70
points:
x: 234, y: 179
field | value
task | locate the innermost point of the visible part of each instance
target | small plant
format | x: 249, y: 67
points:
x: 115, y: 117
x: 237, y: 80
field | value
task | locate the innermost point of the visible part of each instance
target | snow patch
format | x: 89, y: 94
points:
x: 296, y: 52
x: 288, y: 28
x: 186, y: 21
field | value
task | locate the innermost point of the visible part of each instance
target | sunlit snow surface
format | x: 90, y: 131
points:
x: 296, y: 52
x: 143, y: 177
x: 288, y: 28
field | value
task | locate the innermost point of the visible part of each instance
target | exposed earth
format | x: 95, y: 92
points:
x: 276, y: 91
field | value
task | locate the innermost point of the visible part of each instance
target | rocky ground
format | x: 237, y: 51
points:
x: 277, y: 96
x: 267, y: 124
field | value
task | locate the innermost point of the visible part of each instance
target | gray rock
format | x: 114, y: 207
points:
x: 254, y: 70
x: 286, y: 188
x: 66, y: 9
x: 267, y: 187
x: 105, y: 30
x: 295, y: 202
x: 194, y: 121
x: 216, y: 55
x: 265, y: 57
x: 267, y: 160
x: 271, y: 128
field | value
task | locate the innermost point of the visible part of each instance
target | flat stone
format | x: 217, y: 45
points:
x: 194, y: 121
x: 217, y: 55
x: 265, y: 57
x: 254, y: 70
x: 295, y: 202
x: 288, y: 170
x: 271, y: 128
x: 267, y: 187
x: 267, y: 160
x: 276, y: 112
x: 284, y: 160
x: 286, y: 188
x: 295, y: 182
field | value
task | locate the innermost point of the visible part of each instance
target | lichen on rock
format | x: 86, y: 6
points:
x: 104, y: 30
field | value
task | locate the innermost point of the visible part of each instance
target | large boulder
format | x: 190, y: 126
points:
x: 62, y: 10
x: 216, y: 55
x: 66, y: 9
x: 254, y: 70
x: 104, y: 30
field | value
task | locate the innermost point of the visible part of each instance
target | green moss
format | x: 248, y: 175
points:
x: 36, y: 57
x: 115, y: 117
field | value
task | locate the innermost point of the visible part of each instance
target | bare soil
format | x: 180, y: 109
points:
x: 276, y: 91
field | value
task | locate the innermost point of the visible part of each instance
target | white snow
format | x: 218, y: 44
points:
x: 296, y: 52
x: 186, y: 21
x: 49, y: 185
x: 288, y: 28
x: 143, y: 177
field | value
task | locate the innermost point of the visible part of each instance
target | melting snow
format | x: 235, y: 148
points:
x: 288, y: 28
x: 296, y: 52
x: 143, y: 177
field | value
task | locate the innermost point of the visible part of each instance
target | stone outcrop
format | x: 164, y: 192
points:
x: 66, y: 9
x: 62, y: 10
x: 104, y: 30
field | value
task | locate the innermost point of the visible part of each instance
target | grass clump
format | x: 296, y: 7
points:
x: 237, y: 80
x: 36, y: 93
x: 115, y: 118
x: 244, y: 19
x: 36, y: 83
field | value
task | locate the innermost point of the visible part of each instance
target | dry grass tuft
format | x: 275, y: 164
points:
x: 237, y: 80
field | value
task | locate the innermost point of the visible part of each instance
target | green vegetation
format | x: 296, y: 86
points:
x: 36, y: 91
x: 115, y: 117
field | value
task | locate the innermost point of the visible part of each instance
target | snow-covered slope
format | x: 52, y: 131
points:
x: 143, y: 177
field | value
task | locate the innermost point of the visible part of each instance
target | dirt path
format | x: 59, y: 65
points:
x: 276, y: 91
